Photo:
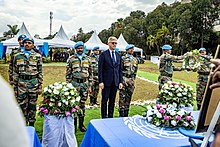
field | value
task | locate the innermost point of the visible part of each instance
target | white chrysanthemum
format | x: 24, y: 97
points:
x: 186, y: 124
x: 175, y: 105
x: 149, y: 107
x: 69, y: 85
x: 171, y: 85
x: 66, y: 103
x: 176, y: 86
x: 191, y: 89
x: 185, y: 89
x: 165, y: 91
x: 157, y: 124
x: 154, y: 107
x: 69, y: 97
x: 56, y: 92
x: 180, y: 90
x: 172, y: 113
x: 72, y: 92
x: 181, y: 112
x: 149, y: 113
x: 59, y: 104
x: 64, y: 83
x: 49, y: 90
x: 51, y: 104
x: 189, y: 95
x: 170, y: 94
x: 184, y: 93
x: 51, y: 99
x: 179, y: 94
x: 173, y: 88
x: 45, y: 89
x: 78, y: 99
x: 66, y: 93
x: 173, y: 122
x: 56, y: 84
x: 149, y: 119
x: 159, y: 115
x: 72, y: 101
x: 65, y: 88
x: 155, y: 111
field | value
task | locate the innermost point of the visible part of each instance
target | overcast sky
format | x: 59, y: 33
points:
x: 71, y: 14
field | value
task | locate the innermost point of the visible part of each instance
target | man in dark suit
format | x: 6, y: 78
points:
x: 110, y: 77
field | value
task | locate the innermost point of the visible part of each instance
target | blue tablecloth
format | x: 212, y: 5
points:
x: 131, y: 132
x: 33, y: 138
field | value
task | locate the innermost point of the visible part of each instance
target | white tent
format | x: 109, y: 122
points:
x: 122, y: 43
x: 61, y: 40
x: 93, y: 41
x: 14, y: 41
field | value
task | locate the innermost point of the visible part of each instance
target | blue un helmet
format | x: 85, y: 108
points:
x: 95, y: 48
x: 166, y: 47
x: 202, y: 49
x: 21, y: 36
x: 129, y: 46
x: 28, y: 39
x: 79, y: 43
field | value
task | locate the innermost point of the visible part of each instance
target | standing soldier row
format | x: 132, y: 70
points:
x: 130, y: 67
x: 79, y: 73
x: 27, y: 79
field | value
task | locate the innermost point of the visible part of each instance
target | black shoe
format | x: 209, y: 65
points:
x: 82, y: 128
x: 31, y: 124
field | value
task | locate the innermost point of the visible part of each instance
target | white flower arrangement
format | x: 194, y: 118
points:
x: 170, y: 117
x: 182, y: 94
x: 60, y: 99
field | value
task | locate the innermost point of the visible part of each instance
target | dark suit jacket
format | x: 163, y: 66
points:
x: 108, y: 72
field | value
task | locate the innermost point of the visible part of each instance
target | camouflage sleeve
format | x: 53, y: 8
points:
x: 90, y: 73
x: 10, y: 69
x: 40, y: 74
x: 15, y: 74
x: 68, y: 71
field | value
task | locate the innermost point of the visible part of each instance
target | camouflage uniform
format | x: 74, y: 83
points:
x: 95, y: 84
x: 78, y: 72
x: 27, y: 80
x: 10, y: 69
x: 166, y: 68
x: 203, y: 73
x: 130, y: 67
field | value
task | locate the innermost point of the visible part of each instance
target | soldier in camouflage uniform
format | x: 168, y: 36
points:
x: 203, y: 73
x: 78, y: 72
x: 95, y: 84
x: 130, y: 66
x: 13, y: 53
x: 27, y: 79
x: 166, y: 66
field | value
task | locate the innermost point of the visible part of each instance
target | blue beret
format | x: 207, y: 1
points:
x: 129, y: 46
x: 79, y: 43
x: 21, y: 36
x: 28, y: 39
x: 202, y: 49
x: 166, y: 47
x: 95, y: 48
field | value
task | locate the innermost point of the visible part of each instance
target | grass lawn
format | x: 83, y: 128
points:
x: 54, y: 72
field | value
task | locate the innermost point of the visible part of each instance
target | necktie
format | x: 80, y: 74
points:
x: 113, y: 58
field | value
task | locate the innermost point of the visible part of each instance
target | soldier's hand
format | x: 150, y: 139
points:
x: 11, y: 82
x: 39, y: 91
x: 120, y: 85
x: 16, y: 93
x: 101, y: 85
x: 90, y: 90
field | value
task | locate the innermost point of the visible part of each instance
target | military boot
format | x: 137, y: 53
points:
x: 95, y: 101
x: 31, y: 124
x: 121, y: 113
x: 126, y: 113
x: 82, y: 128
x: 91, y: 101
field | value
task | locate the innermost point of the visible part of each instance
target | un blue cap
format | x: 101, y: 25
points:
x: 202, y: 49
x: 166, y: 47
x: 28, y: 39
x: 95, y: 48
x: 129, y: 46
x: 21, y: 36
x: 79, y: 43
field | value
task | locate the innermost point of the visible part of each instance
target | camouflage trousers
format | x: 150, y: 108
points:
x: 27, y: 95
x: 125, y: 95
x: 200, y: 89
x: 163, y: 79
x: 95, y: 90
x: 82, y: 88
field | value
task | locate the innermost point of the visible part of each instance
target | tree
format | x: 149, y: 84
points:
x: 13, y: 30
